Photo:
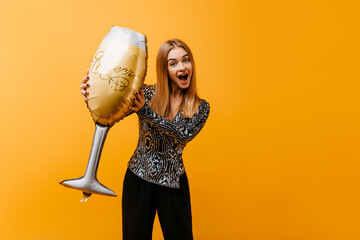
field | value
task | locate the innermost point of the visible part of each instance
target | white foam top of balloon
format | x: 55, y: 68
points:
x: 127, y: 36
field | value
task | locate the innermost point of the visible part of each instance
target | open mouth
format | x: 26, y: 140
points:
x: 183, y: 78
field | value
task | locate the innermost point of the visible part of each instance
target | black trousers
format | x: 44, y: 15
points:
x: 140, y: 201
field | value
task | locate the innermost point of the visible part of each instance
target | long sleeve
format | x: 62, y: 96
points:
x: 184, y: 130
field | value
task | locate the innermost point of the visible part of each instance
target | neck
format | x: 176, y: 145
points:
x: 176, y: 92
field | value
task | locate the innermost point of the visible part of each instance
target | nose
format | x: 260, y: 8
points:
x: 181, y: 66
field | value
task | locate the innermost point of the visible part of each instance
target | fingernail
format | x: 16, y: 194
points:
x: 87, y: 85
x: 87, y: 77
x: 133, y: 98
x: 135, y: 93
x: 130, y: 107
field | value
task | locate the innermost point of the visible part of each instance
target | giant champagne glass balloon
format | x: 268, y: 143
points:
x: 117, y: 71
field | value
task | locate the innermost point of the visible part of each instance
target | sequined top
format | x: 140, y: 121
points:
x: 158, y: 156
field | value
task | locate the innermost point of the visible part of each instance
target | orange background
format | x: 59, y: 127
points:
x: 278, y: 158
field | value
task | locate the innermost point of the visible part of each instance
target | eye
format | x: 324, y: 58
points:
x: 186, y: 60
x: 172, y: 64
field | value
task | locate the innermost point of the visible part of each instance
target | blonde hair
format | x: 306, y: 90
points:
x: 160, y: 103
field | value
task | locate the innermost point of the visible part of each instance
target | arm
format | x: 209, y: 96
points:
x: 184, y: 130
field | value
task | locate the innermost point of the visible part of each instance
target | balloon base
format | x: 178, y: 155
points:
x: 88, y: 187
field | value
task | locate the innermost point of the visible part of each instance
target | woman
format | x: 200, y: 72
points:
x: 170, y: 115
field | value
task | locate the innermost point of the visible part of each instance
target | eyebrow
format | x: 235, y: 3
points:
x: 181, y: 57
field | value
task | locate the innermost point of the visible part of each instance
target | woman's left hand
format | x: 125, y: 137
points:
x: 138, y: 100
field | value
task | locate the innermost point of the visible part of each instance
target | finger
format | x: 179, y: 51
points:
x: 134, y: 108
x: 137, y: 96
x: 136, y: 102
x: 140, y: 97
x: 84, y: 86
x: 141, y: 92
x: 84, y: 97
x: 85, y: 79
x: 87, y: 71
x: 140, y: 100
x: 84, y: 93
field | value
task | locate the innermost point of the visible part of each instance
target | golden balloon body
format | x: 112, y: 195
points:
x: 117, y: 71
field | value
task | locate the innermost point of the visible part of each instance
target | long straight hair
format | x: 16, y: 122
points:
x: 160, y: 103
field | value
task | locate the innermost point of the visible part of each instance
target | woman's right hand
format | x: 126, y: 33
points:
x: 85, y: 85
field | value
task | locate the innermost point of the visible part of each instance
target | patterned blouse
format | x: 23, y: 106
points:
x: 158, y: 156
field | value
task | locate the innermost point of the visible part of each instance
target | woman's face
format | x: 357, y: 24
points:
x: 179, y: 68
